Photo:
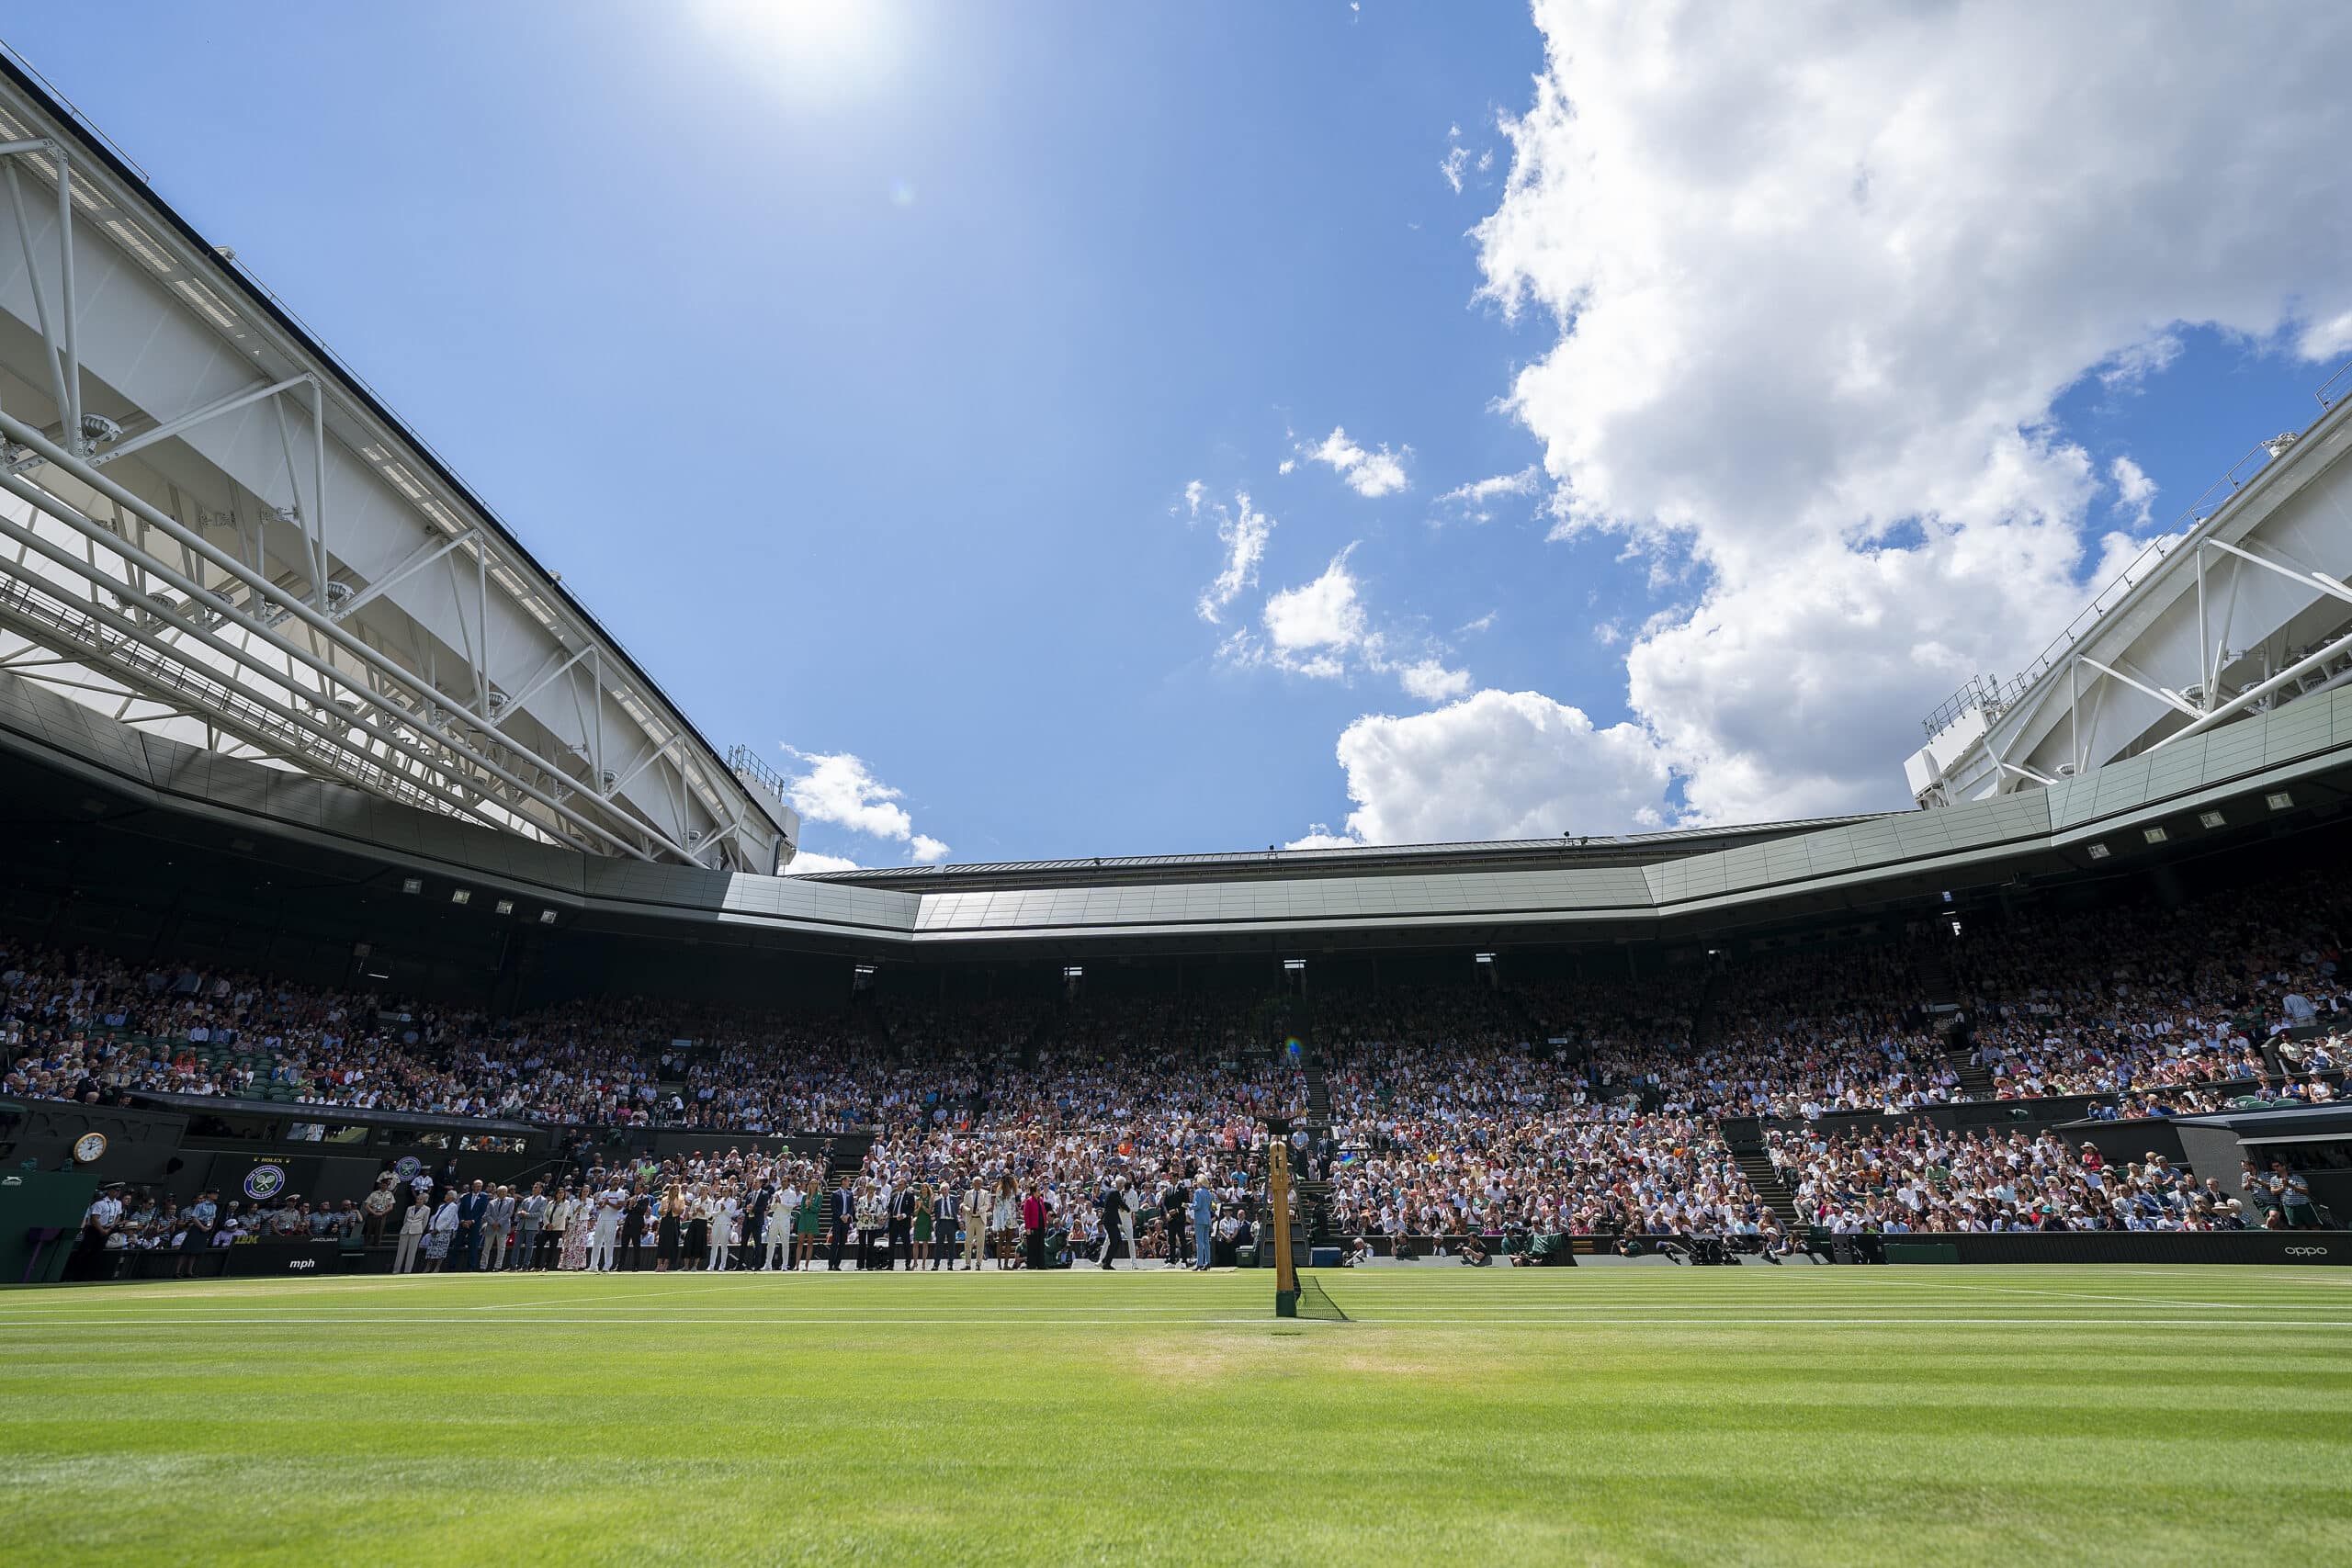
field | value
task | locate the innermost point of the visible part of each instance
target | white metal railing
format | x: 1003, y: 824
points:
x: 1996, y: 694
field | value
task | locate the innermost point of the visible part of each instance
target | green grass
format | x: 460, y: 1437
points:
x: 1800, y: 1415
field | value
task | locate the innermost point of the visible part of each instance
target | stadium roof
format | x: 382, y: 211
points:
x: 353, y: 610
x: 1338, y: 860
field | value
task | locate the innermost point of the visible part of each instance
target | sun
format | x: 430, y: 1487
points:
x: 813, y: 52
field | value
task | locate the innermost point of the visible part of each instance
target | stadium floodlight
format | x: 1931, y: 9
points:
x: 546, y: 917
x: 2155, y: 835
x: 2212, y: 819
x: 1482, y: 958
x: 412, y: 884
x: 865, y: 970
x: 1294, y: 965
x: 505, y: 906
x: 2098, y: 852
x: 1073, y: 971
x: 2279, y: 800
x: 461, y: 895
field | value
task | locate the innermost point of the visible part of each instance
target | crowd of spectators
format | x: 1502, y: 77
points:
x: 1920, y: 1178
x: 1551, y: 1107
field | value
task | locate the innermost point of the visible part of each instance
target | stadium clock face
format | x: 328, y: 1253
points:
x: 89, y: 1147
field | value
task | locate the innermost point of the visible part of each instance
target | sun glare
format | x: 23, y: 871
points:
x: 813, y: 51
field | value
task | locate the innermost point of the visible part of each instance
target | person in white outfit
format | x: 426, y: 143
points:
x: 609, y: 1203
x: 722, y: 1235
x: 778, y: 1239
x: 783, y: 1215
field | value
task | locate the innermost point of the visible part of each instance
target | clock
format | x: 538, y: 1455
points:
x: 89, y: 1148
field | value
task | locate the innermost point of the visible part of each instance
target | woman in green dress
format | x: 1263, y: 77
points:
x: 920, y: 1252
x: 805, y: 1227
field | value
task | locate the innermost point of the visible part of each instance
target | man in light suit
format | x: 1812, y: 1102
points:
x: 530, y: 1213
x: 498, y: 1226
x: 975, y: 1224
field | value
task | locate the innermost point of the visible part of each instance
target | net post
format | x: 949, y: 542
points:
x: 1278, y: 1228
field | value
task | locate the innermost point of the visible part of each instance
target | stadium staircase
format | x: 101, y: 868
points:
x: 1763, y: 1178
x: 1702, y: 1011
x: 1314, y: 1198
x: 1939, y: 990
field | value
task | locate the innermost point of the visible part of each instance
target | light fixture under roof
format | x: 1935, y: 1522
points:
x: 2098, y: 852
x: 2279, y: 800
x: 412, y: 884
x: 505, y: 906
x: 2155, y: 835
x: 2212, y: 820
x: 461, y: 895
x: 546, y: 917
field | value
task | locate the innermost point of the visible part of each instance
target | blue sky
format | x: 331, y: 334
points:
x: 854, y: 373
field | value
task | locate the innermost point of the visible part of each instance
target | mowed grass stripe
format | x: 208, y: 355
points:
x: 1796, y: 1416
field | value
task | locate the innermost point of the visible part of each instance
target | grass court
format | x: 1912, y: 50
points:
x: 1752, y: 1414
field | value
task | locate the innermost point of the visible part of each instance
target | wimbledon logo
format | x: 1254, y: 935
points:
x: 264, y: 1181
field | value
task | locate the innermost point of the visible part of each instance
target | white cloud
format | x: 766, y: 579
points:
x: 840, y: 789
x: 1459, y: 160
x: 1326, y: 614
x: 1806, y: 347
x: 1430, y: 680
x: 1498, y: 765
x: 2134, y: 492
x: 1319, y: 836
x: 1243, y: 530
x: 809, y: 863
x: 1322, y: 629
x: 1372, y: 474
x: 1472, y: 499
x: 1478, y: 492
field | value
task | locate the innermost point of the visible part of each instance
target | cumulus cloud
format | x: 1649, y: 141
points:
x: 1319, y: 617
x: 1814, y: 285
x: 1243, y: 530
x: 1495, y: 765
x: 838, y: 788
x: 1322, y: 629
x: 1371, y: 474
x: 2134, y: 492
x: 809, y: 863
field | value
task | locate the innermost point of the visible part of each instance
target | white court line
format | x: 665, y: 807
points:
x: 869, y: 1320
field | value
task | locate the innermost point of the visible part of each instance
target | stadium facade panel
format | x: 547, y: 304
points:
x: 2277, y: 771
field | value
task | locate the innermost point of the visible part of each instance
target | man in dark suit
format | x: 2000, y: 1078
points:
x: 465, y: 1248
x: 841, y: 1208
x: 902, y: 1229
x: 1111, y: 1205
x: 755, y: 1216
